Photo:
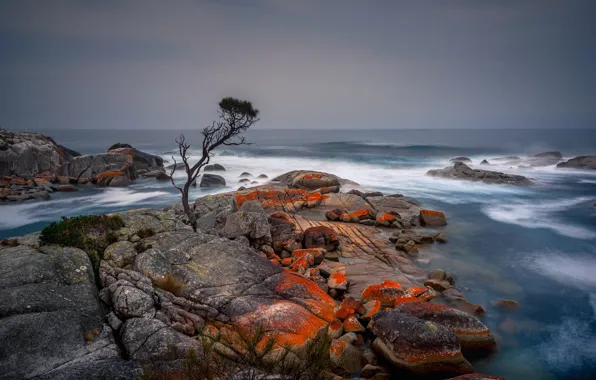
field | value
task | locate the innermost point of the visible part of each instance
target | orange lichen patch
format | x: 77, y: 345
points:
x: 128, y: 151
x: 313, y: 176
x: 244, y: 197
x: 210, y: 331
x: 371, y: 308
x: 431, y: 213
x: 386, y: 292
x: 304, y: 262
x: 337, y: 347
x: 352, y: 325
x: 336, y: 328
x: 286, y: 262
x: 293, y: 286
x: 271, y: 197
x: 406, y: 298
x: 385, y: 218
x: 274, y: 261
x: 19, y: 181
x: 313, y: 197
x: 316, y: 253
x: 352, y: 303
x: 337, y: 280
x: 105, y: 175
x: 312, y: 272
x: 344, y: 313
x: 360, y: 214
x: 424, y: 356
x: 288, y: 323
x: 422, y: 293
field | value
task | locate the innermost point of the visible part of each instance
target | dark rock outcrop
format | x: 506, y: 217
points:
x: 214, y: 168
x: 212, y: 180
x: 460, y: 159
x: 464, y: 172
x: 580, y: 162
x: 100, y: 169
x: 418, y: 347
x: 141, y: 160
x: 310, y: 180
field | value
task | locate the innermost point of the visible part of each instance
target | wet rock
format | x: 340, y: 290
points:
x: 214, y: 168
x: 460, y: 159
x: 141, y: 160
x: 100, y: 169
x: 262, y: 176
x: 437, y: 274
x: 310, y: 180
x: 321, y: 237
x: 473, y: 335
x: 345, y: 356
x: 337, y: 281
x: 159, y: 175
x: 212, y: 180
x: 431, y: 218
x: 245, y: 174
x: 386, y: 293
x: 554, y: 154
x: 421, y: 348
x: 507, y: 305
x: 67, y: 188
x: 459, y: 301
x: 438, y: 285
x: 484, y: 162
x: 335, y: 214
x: 579, y: 162
x: 441, y: 237
x: 463, y: 172
x: 244, y: 180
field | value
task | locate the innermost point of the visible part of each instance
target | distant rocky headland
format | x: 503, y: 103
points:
x: 300, y: 277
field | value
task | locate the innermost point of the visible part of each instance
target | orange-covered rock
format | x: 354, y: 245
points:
x: 321, y: 237
x: 352, y: 303
x: 337, y: 281
x: 357, y: 216
x: 406, y: 298
x: 303, y: 263
x: 431, y: 218
x: 344, y: 313
x: 386, y: 293
x: 272, y: 197
x: 286, y: 262
x: 422, y: 293
x: 345, y: 356
x: 317, y: 253
x: 275, y: 261
x: 314, y: 199
x: 385, y: 218
x: 336, y: 329
x: 351, y: 324
x: 335, y: 214
x: 371, y: 308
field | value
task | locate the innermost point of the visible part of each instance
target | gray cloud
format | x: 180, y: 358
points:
x: 305, y: 64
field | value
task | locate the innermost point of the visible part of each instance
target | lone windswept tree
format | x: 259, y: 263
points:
x: 235, y: 117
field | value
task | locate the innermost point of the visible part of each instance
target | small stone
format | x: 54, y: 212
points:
x: 507, y: 305
x: 437, y: 274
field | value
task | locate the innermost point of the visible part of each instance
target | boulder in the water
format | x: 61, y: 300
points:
x: 464, y: 172
x: 555, y: 154
x: 262, y: 176
x: 484, y: 162
x: 214, y: 168
x: 579, y: 162
x: 432, y: 218
x: 212, y: 180
x: 460, y: 159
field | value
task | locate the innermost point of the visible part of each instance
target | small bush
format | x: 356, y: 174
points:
x: 169, y: 284
x: 9, y: 242
x: 249, y: 359
x: 92, y: 233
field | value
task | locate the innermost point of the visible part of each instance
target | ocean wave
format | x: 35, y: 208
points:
x: 569, y: 269
x: 540, y: 215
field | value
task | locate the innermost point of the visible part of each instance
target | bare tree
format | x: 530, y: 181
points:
x: 235, y: 117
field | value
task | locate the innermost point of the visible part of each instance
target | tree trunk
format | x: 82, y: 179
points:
x: 192, y: 218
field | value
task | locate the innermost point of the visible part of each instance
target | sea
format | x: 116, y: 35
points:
x: 534, y: 244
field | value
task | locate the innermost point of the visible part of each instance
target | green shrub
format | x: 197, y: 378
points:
x: 91, y: 233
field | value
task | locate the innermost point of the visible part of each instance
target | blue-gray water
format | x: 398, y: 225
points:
x: 536, y: 245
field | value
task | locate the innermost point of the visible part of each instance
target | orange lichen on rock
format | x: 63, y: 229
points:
x: 371, y: 308
x: 317, y: 253
x: 385, y: 218
x: 386, y: 292
x: 351, y: 324
x: 337, y: 347
x: 313, y: 176
x: 105, y: 175
x: 293, y: 286
x: 432, y: 218
x: 210, y: 331
x: 282, y: 215
x: 272, y: 197
x: 288, y: 323
x: 425, y: 293
x: 406, y: 298
x: 352, y: 303
x: 338, y: 280
x: 286, y: 262
x: 356, y: 216
x: 344, y: 312
x: 336, y: 329
x: 303, y: 262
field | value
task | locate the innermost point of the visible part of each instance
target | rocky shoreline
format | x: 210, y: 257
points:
x: 296, y: 258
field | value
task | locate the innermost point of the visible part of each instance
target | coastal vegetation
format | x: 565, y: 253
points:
x: 235, y: 117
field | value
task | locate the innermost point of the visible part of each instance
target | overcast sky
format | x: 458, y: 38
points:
x: 303, y: 63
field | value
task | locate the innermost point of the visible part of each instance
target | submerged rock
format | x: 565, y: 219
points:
x: 460, y: 159
x: 464, y: 172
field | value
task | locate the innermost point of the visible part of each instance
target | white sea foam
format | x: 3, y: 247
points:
x: 540, y: 214
x: 569, y: 269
